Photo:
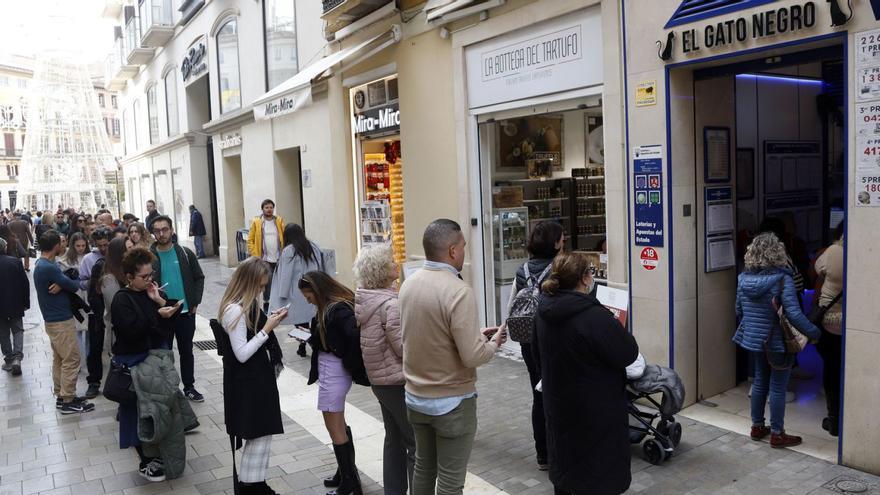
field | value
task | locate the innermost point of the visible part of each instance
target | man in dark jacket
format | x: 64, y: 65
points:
x: 197, y: 230
x: 179, y: 268
x: 152, y: 214
x: 15, y: 299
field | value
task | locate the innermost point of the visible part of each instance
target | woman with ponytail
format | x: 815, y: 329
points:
x: 583, y: 351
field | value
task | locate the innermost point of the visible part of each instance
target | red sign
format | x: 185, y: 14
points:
x: 649, y: 257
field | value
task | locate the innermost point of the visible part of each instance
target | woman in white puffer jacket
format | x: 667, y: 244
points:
x: 378, y: 314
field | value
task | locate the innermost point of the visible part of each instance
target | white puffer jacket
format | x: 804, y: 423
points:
x: 378, y: 313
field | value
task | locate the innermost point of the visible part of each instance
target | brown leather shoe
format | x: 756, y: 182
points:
x: 781, y: 440
x: 760, y: 432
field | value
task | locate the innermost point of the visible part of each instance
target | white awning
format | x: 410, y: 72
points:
x: 445, y: 11
x: 296, y: 92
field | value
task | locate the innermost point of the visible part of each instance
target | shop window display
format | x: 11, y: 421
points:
x: 544, y: 168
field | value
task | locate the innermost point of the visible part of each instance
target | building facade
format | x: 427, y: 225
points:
x: 16, y: 74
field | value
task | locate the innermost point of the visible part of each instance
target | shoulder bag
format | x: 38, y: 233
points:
x: 795, y: 341
x: 817, y: 314
x: 117, y: 386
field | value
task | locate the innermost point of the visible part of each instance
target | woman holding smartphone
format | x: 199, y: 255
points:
x: 250, y: 395
x: 336, y: 362
x: 141, y: 320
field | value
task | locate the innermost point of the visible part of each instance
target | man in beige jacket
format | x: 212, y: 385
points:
x: 442, y: 347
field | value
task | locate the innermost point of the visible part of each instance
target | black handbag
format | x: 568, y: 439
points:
x: 118, y: 386
x: 817, y: 314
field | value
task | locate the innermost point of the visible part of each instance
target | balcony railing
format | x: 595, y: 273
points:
x: 118, y: 70
x: 340, y: 13
x: 135, y: 52
x: 156, y: 22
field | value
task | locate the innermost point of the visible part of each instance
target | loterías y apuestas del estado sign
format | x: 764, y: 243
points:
x: 761, y: 24
x: 376, y: 120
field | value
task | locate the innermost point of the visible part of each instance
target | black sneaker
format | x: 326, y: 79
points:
x: 193, y: 395
x: 154, y: 471
x: 93, y: 390
x: 77, y: 406
x: 58, y: 403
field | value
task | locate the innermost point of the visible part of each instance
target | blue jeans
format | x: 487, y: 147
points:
x: 772, y: 381
x: 199, y: 240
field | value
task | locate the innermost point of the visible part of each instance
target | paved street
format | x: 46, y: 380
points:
x: 44, y: 452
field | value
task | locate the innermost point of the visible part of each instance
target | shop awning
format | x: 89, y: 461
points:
x: 296, y: 92
x: 449, y: 10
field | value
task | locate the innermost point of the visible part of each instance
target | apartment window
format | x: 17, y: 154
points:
x: 153, y: 114
x: 22, y: 83
x: 126, y: 131
x: 113, y: 101
x: 101, y: 100
x: 107, y: 125
x: 11, y: 172
x: 171, y: 103
x: 9, y: 143
x: 279, y: 17
x: 115, y: 127
x: 230, y: 83
x: 4, y: 81
x: 135, y: 110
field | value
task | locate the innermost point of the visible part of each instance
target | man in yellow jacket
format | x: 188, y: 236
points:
x: 266, y: 238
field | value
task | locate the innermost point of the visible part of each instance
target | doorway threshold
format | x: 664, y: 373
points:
x: 802, y: 417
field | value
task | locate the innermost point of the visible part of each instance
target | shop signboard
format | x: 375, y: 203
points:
x: 376, y: 120
x: 557, y: 55
x: 195, y: 63
x: 646, y: 93
x: 648, y: 195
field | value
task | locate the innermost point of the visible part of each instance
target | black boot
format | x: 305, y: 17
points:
x: 350, y: 483
x: 333, y: 481
x: 265, y: 489
x: 830, y: 424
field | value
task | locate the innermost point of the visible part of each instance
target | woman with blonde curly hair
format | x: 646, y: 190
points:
x: 765, y: 284
x: 377, y: 311
x: 137, y: 236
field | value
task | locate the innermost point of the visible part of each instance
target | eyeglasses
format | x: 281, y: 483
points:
x: 146, y: 276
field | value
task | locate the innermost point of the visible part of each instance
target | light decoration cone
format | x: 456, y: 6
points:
x: 66, y: 150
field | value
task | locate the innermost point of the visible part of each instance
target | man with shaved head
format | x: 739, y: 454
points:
x: 442, y: 348
x: 105, y: 219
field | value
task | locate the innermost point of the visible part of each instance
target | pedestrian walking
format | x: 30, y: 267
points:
x: 152, y: 214
x: 50, y: 284
x: 378, y: 314
x: 299, y: 256
x: 545, y: 242
x: 251, y: 407
x: 61, y: 225
x: 266, y: 238
x: 141, y: 318
x: 21, y: 231
x: 442, y: 348
x: 336, y: 363
x: 138, y: 236
x: 90, y: 271
x: 69, y: 262
x: 766, y: 283
x: 583, y: 352
x: 197, y: 230
x: 829, y: 267
x: 178, y: 267
x: 15, y: 299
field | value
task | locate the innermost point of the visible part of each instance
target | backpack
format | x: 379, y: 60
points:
x: 520, y: 320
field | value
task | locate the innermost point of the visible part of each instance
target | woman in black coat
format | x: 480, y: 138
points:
x: 251, y: 364
x: 582, y: 352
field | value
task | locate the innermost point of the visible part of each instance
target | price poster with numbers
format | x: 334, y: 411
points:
x: 868, y: 154
x: 867, y: 75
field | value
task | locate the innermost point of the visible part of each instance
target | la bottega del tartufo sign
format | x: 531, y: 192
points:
x: 759, y: 25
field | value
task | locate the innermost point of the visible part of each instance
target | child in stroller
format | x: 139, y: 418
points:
x: 644, y: 381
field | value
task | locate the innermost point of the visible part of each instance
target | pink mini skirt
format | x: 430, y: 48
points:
x: 334, y: 382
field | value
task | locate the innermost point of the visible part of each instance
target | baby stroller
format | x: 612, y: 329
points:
x: 666, y: 433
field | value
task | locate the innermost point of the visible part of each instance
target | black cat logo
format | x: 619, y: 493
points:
x: 666, y: 53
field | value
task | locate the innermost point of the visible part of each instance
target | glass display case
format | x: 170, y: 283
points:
x: 589, y: 204
x: 511, y: 236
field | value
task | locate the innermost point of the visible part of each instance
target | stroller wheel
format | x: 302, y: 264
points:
x: 654, y: 451
x: 675, y: 433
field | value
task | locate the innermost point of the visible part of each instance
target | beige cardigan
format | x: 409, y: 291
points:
x: 442, y: 342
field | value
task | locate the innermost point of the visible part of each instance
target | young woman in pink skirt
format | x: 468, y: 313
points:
x: 336, y: 363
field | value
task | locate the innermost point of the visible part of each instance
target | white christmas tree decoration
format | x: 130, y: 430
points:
x: 66, y: 150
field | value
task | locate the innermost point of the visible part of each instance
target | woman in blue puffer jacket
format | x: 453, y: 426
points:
x: 766, y: 277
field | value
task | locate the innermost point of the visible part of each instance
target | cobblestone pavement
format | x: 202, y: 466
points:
x: 44, y: 452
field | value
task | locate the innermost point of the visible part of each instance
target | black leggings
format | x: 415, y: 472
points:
x: 829, y: 347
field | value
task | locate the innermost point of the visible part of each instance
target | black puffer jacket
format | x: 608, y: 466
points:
x: 343, y: 340
x: 582, y: 352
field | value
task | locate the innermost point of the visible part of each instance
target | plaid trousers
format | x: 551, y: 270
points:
x: 255, y: 459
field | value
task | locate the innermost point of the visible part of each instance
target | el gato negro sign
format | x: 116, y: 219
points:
x: 762, y: 24
x: 194, y: 63
x: 374, y: 120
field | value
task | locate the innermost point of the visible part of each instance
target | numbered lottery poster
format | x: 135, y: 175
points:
x: 867, y: 187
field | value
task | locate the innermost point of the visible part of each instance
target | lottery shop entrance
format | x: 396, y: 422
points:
x: 768, y: 147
